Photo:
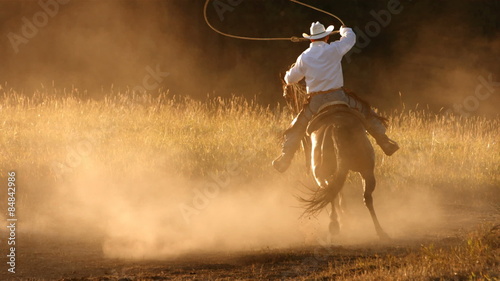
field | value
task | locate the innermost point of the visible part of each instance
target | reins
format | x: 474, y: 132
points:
x: 293, y: 38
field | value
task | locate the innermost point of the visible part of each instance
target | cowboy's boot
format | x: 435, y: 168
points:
x: 377, y: 129
x: 293, y: 137
x: 282, y: 162
x: 290, y: 145
x: 388, y: 146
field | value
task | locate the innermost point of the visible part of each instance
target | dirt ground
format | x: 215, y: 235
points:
x: 56, y: 258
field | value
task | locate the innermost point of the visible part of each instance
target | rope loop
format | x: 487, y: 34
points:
x: 294, y: 39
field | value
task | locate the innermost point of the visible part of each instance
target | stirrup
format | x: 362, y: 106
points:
x: 282, y: 162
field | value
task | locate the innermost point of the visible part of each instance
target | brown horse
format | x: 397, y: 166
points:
x: 338, y: 143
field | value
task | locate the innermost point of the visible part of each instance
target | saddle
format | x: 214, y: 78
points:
x: 328, y: 110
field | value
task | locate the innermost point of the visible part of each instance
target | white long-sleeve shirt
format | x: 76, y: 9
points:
x: 321, y: 65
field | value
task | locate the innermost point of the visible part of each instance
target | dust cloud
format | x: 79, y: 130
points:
x: 157, y: 215
x: 144, y: 214
x: 102, y: 47
x: 95, y: 46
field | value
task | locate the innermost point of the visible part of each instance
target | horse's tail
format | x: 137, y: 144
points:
x: 320, y: 199
x: 325, y: 194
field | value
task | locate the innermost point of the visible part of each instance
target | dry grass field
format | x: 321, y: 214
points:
x: 135, y: 187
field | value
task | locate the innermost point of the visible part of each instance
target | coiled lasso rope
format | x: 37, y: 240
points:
x: 293, y: 38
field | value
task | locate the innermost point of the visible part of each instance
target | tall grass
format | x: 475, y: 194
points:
x: 444, y: 150
x: 194, y: 138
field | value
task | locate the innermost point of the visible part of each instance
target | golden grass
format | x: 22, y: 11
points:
x: 194, y: 138
x: 190, y: 136
x: 444, y: 150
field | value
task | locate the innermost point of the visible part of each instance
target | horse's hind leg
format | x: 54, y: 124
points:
x: 335, y: 224
x: 335, y: 186
x: 369, y: 187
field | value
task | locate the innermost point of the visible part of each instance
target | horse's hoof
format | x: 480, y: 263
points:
x: 384, y: 237
x: 329, y: 239
x: 334, y: 229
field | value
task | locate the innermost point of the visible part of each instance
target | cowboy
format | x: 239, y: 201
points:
x: 320, y: 65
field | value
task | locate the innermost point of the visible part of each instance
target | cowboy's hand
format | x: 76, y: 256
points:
x: 287, y: 91
x: 343, y: 30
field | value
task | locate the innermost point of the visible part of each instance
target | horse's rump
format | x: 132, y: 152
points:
x: 325, y: 116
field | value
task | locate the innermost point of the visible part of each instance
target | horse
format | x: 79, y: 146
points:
x: 337, y: 143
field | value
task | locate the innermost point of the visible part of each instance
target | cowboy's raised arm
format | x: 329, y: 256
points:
x: 295, y: 73
x: 347, y: 40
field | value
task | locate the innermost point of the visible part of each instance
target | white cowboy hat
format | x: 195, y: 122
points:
x: 318, y: 31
